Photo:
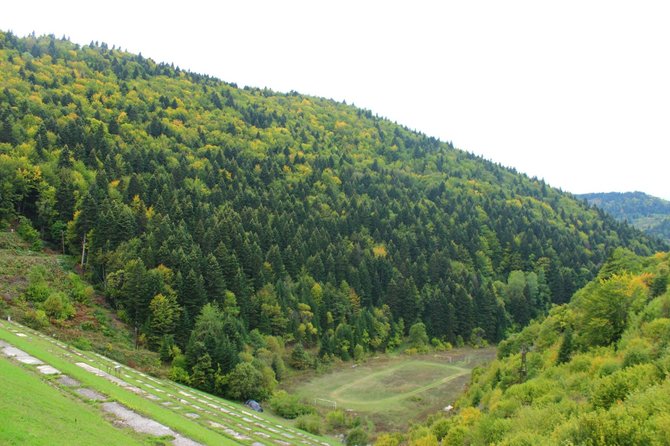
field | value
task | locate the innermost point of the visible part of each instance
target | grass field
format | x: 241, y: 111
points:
x: 196, y: 415
x: 34, y: 413
x: 393, y: 391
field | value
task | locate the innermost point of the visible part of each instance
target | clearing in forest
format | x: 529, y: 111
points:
x: 392, y: 391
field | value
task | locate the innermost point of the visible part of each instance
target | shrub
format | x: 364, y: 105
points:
x: 36, y: 319
x: 300, y: 359
x: 417, y: 336
x: 87, y: 326
x: 247, y: 382
x: 357, y: 437
x: 309, y: 423
x: 79, y: 291
x: 336, y: 419
x: 82, y: 344
x: 38, y: 292
x: 389, y: 440
x: 289, y: 406
x: 428, y: 440
x: 29, y: 234
x: 359, y: 353
x: 441, y: 427
x: 177, y: 374
x: 58, y: 306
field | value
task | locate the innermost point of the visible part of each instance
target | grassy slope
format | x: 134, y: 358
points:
x: 198, y: 430
x: 34, y: 413
x: 44, y: 351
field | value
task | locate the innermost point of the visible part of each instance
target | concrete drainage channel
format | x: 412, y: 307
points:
x: 124, y: 416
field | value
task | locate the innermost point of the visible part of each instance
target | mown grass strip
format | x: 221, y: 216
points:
x: 40, y: 348
x: 34, y: 413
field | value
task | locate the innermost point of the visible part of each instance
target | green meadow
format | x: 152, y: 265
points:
x: 391, y: 391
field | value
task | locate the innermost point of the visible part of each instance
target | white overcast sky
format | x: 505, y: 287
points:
x: 575, y: 92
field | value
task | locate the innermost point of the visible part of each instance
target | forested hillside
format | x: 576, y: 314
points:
x: 594, y: 372
x: 648, y: 213
x: 215, y: 217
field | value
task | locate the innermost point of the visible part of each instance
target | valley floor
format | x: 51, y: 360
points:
x: 395, y: 390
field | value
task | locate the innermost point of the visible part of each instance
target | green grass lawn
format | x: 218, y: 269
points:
x: 47, y: 352
x: 393, y: 391
x: 34, y: 413
x: 182, y: 401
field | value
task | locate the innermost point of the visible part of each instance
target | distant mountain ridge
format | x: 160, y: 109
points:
x: 646, y: 212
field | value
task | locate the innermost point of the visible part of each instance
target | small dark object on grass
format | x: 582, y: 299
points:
x: 251, y: 404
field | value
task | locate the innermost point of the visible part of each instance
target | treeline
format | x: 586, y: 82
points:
x: 645, y: 212
x: 594, y: 371
x: 629, y: 205
x: 311, y: 222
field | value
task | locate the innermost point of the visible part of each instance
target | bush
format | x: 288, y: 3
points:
x: 428, y: 440
x: 440, y: 428
x: 357, y: 437
x: 36, y: 319
x: 309, y: 423
x: 29, y: 234
x: 418, y: 338
x: 37, y: 292
x: 389, y: 440
x: 638, y: 352
x: 247, y: 382
x: 359, y: 353
x: 58, y: 306
x: 300, y: 359
x: 82, y: 344
x: 289, y: 406
x: 79, y: 291
x: 336, y: 420
x: 179, y: 375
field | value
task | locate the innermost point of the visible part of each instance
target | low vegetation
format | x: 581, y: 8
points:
x: 44, y: 291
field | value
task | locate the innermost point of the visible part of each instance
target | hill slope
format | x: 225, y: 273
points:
x: 130, y: 398
x: 294, y: 216
x: 645, y: 212
x: 595, y: 371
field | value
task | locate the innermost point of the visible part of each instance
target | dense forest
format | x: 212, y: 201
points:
x: 593, y: 372
x: 645, y: 212
x: 220, y: 220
